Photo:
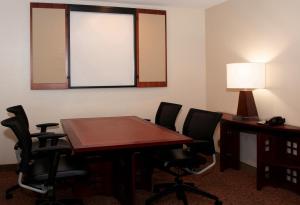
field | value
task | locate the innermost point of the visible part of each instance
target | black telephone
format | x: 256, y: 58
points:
x: 277, y: 120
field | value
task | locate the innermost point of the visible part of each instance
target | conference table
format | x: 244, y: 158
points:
x: 124, y: 136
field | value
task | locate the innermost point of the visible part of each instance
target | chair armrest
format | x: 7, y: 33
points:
x: 43, y: 137
x: 49, y: 135
x: 44, y: 126
x: 61, y: 149
x: 37, y: 134
x: 203, y: 170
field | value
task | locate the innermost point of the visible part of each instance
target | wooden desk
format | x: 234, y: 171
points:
x: 122, y: 135
x: 278, y: 151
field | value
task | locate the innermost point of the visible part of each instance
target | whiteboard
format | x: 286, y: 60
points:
x: 102, y: 52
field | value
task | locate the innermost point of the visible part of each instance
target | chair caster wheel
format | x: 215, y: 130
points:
x: 8, y: 196
x: 218, y: 202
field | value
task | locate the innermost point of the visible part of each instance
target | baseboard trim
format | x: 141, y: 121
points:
x: 248, y: 168
x: 243, y: 166
x: 8, y: 167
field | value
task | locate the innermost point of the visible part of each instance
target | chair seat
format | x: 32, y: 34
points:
x: 67, y: 167
x: 176, y: 158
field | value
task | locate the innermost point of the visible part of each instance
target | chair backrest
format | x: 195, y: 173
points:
x: 166, y: 115
x: 19, y: 112
x: 25, y: 143
x: 200, y: 125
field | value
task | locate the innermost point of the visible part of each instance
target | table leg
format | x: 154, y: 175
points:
x: 260, y: 170
x: 125, y: 178
x: 229, y: 148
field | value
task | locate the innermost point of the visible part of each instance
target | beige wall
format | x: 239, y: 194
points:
x: 255, y: 31
x: 186, y: 75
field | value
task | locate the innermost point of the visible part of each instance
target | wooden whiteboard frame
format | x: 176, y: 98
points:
x: 66, y: 55
x: 47, y: 85
x: 111, y: 10
x: 152, y: 83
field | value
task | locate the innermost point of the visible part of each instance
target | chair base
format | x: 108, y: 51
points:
x: 179, y: 187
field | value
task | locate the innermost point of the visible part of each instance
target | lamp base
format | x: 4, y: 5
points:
x: 246, y: 107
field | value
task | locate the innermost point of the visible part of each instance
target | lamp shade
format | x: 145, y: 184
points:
x: 246, y: 75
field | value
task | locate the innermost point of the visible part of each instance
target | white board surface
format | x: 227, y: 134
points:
x: 101, y: 49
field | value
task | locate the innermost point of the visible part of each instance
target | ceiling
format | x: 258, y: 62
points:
x: 175, y: 3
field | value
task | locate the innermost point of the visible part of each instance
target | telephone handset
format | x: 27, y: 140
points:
x: 277, y: 120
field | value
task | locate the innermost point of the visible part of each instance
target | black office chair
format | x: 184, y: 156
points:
x: 43, y: 137
x: 39, y: 174
x: 166, y: 115
x: 199, y: 125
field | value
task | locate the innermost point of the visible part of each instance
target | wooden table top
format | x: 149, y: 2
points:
x: 111, y: 133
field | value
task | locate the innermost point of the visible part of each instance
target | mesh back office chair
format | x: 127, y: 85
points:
x: 199, y: 125
x: 42, y: 137
x: 166, y: 115
x: 51, y: 162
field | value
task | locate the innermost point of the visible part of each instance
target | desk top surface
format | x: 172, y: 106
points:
x: 111, y: 133
x: 253, y: 124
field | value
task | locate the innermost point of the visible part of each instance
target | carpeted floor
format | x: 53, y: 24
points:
x: 233, y: 188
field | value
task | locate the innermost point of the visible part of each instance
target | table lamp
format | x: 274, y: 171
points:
x: 246, y: 77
